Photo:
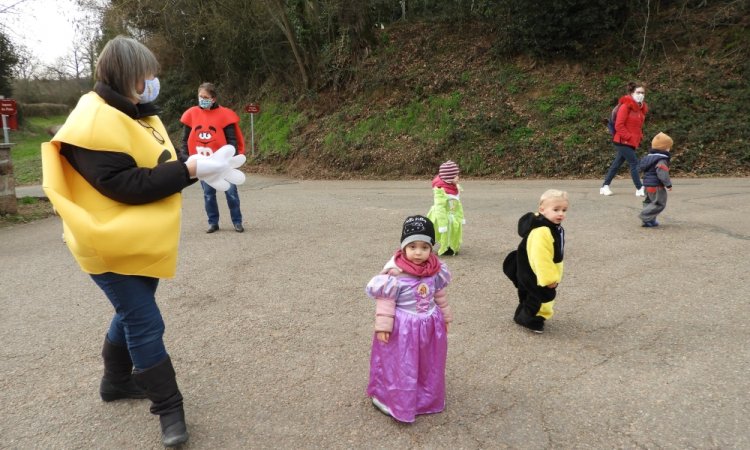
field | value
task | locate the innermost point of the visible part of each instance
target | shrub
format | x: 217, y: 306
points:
x: 44, y: 109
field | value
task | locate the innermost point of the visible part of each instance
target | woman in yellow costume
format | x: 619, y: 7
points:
x: 113, y: 176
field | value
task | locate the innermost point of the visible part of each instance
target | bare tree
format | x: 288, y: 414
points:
x: 9, y: 9
x: 87, y: 37
x: 278, y: 12
x: 28, y: 66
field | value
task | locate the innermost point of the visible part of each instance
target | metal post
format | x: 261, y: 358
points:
x: 252, y: 134
x: 6, y: 138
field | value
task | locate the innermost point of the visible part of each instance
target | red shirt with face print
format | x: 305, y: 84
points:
x: 207, y: 129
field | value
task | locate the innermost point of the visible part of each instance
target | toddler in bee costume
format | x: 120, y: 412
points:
x: 447, y: 213
x: 536, y: 266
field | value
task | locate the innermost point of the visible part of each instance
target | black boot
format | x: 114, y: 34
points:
x: 117, y: 382
x: 160, y: 385
x: 524, y: 318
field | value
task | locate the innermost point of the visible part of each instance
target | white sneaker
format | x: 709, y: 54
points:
x: 380, y: 406
x: 604, y: 190
x: 640, y: 192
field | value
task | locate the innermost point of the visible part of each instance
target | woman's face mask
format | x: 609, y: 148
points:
x: 639, y: 96
x: 205, y: 103
x: 150, y: 90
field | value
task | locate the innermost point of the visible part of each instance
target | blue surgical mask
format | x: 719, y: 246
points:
x: 150, y: 90
x: 205, y: 103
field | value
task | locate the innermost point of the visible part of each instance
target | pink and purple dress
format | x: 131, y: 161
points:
x: 407, y: 374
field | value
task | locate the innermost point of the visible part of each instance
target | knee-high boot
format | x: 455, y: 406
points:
x: 160, y: 385
x: 117, y: 381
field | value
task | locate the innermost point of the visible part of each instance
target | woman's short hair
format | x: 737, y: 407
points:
x: 550, y: 194
x: 208, y: 87
x: 124, y: 62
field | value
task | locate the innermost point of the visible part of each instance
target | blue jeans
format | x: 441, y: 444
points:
x: 212, y: 208
x: 137, y: 323
x: 624, y: 153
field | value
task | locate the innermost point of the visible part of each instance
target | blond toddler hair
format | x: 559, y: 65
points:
x: 550, y: 194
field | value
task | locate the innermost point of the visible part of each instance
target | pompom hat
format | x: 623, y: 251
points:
x: 448, y: 171
x: 662, y: 142
x: 417, y: 228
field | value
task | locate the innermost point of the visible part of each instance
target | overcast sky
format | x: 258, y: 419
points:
x: 43, y: 26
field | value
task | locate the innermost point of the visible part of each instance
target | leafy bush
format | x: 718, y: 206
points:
x: 43, y: 109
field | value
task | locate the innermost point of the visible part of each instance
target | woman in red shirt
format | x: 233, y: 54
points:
x: 628, y: 135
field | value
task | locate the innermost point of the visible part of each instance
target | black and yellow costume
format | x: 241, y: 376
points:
x: 536, y: 264
x: 116, y: 216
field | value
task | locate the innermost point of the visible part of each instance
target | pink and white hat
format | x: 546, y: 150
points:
x: 448, y: 171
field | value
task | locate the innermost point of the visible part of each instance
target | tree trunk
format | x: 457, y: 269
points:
x: 278, y: 14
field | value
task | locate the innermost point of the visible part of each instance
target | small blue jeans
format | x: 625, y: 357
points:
x: 137, y: 323
x: 212, y: 207
x: 624, y: 153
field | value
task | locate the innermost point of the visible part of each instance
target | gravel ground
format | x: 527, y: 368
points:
x: 270, y: 330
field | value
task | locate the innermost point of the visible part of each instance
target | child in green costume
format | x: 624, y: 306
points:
x: 447, y: 213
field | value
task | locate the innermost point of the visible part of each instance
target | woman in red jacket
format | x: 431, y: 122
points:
x: 628, y: 135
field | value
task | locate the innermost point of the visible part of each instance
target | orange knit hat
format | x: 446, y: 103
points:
x: 662, y: 142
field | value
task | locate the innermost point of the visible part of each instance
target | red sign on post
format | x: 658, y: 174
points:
x: 7, y: 106
x: 252, y: 108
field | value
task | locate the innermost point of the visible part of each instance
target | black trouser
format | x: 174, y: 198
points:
x: 528, y: 307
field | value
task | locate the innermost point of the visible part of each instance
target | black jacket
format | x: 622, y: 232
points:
x: 516, y: 265
x: 115, y: 174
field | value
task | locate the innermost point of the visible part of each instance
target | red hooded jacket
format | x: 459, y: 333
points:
x: 629, y: 122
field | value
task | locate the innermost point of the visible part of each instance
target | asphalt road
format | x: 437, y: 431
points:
x: 270, y: 330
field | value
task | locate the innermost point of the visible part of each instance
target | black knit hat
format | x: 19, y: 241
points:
x: 417, y: 228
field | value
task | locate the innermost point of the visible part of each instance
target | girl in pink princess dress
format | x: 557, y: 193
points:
x: 410, y: 345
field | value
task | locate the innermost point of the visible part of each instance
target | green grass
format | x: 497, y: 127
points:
x: 29, y: 210
x: 26, y: 154
x: 429, y: 121
x: 274, y: 127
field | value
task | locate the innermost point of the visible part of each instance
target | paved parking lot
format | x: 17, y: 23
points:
x: 270, y: 330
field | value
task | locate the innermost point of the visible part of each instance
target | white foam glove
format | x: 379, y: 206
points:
x: 219, y: 169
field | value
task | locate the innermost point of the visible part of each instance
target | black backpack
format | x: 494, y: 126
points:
x: 612, y: 118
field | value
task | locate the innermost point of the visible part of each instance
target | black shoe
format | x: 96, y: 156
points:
x: 117, y: 382
x: 449, y: 252
x: 535, y: 326
x: 160, y: 385
x: 173, y: 429
x: 536, y: 330
x: 238, y: 228
x: 212, y: 228
x: 110, y: 391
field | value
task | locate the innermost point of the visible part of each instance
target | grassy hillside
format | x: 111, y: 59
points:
x: 433, y: 91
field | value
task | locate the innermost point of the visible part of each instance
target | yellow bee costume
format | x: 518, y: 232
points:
x: 105, y: 235
x: 534, y: 265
